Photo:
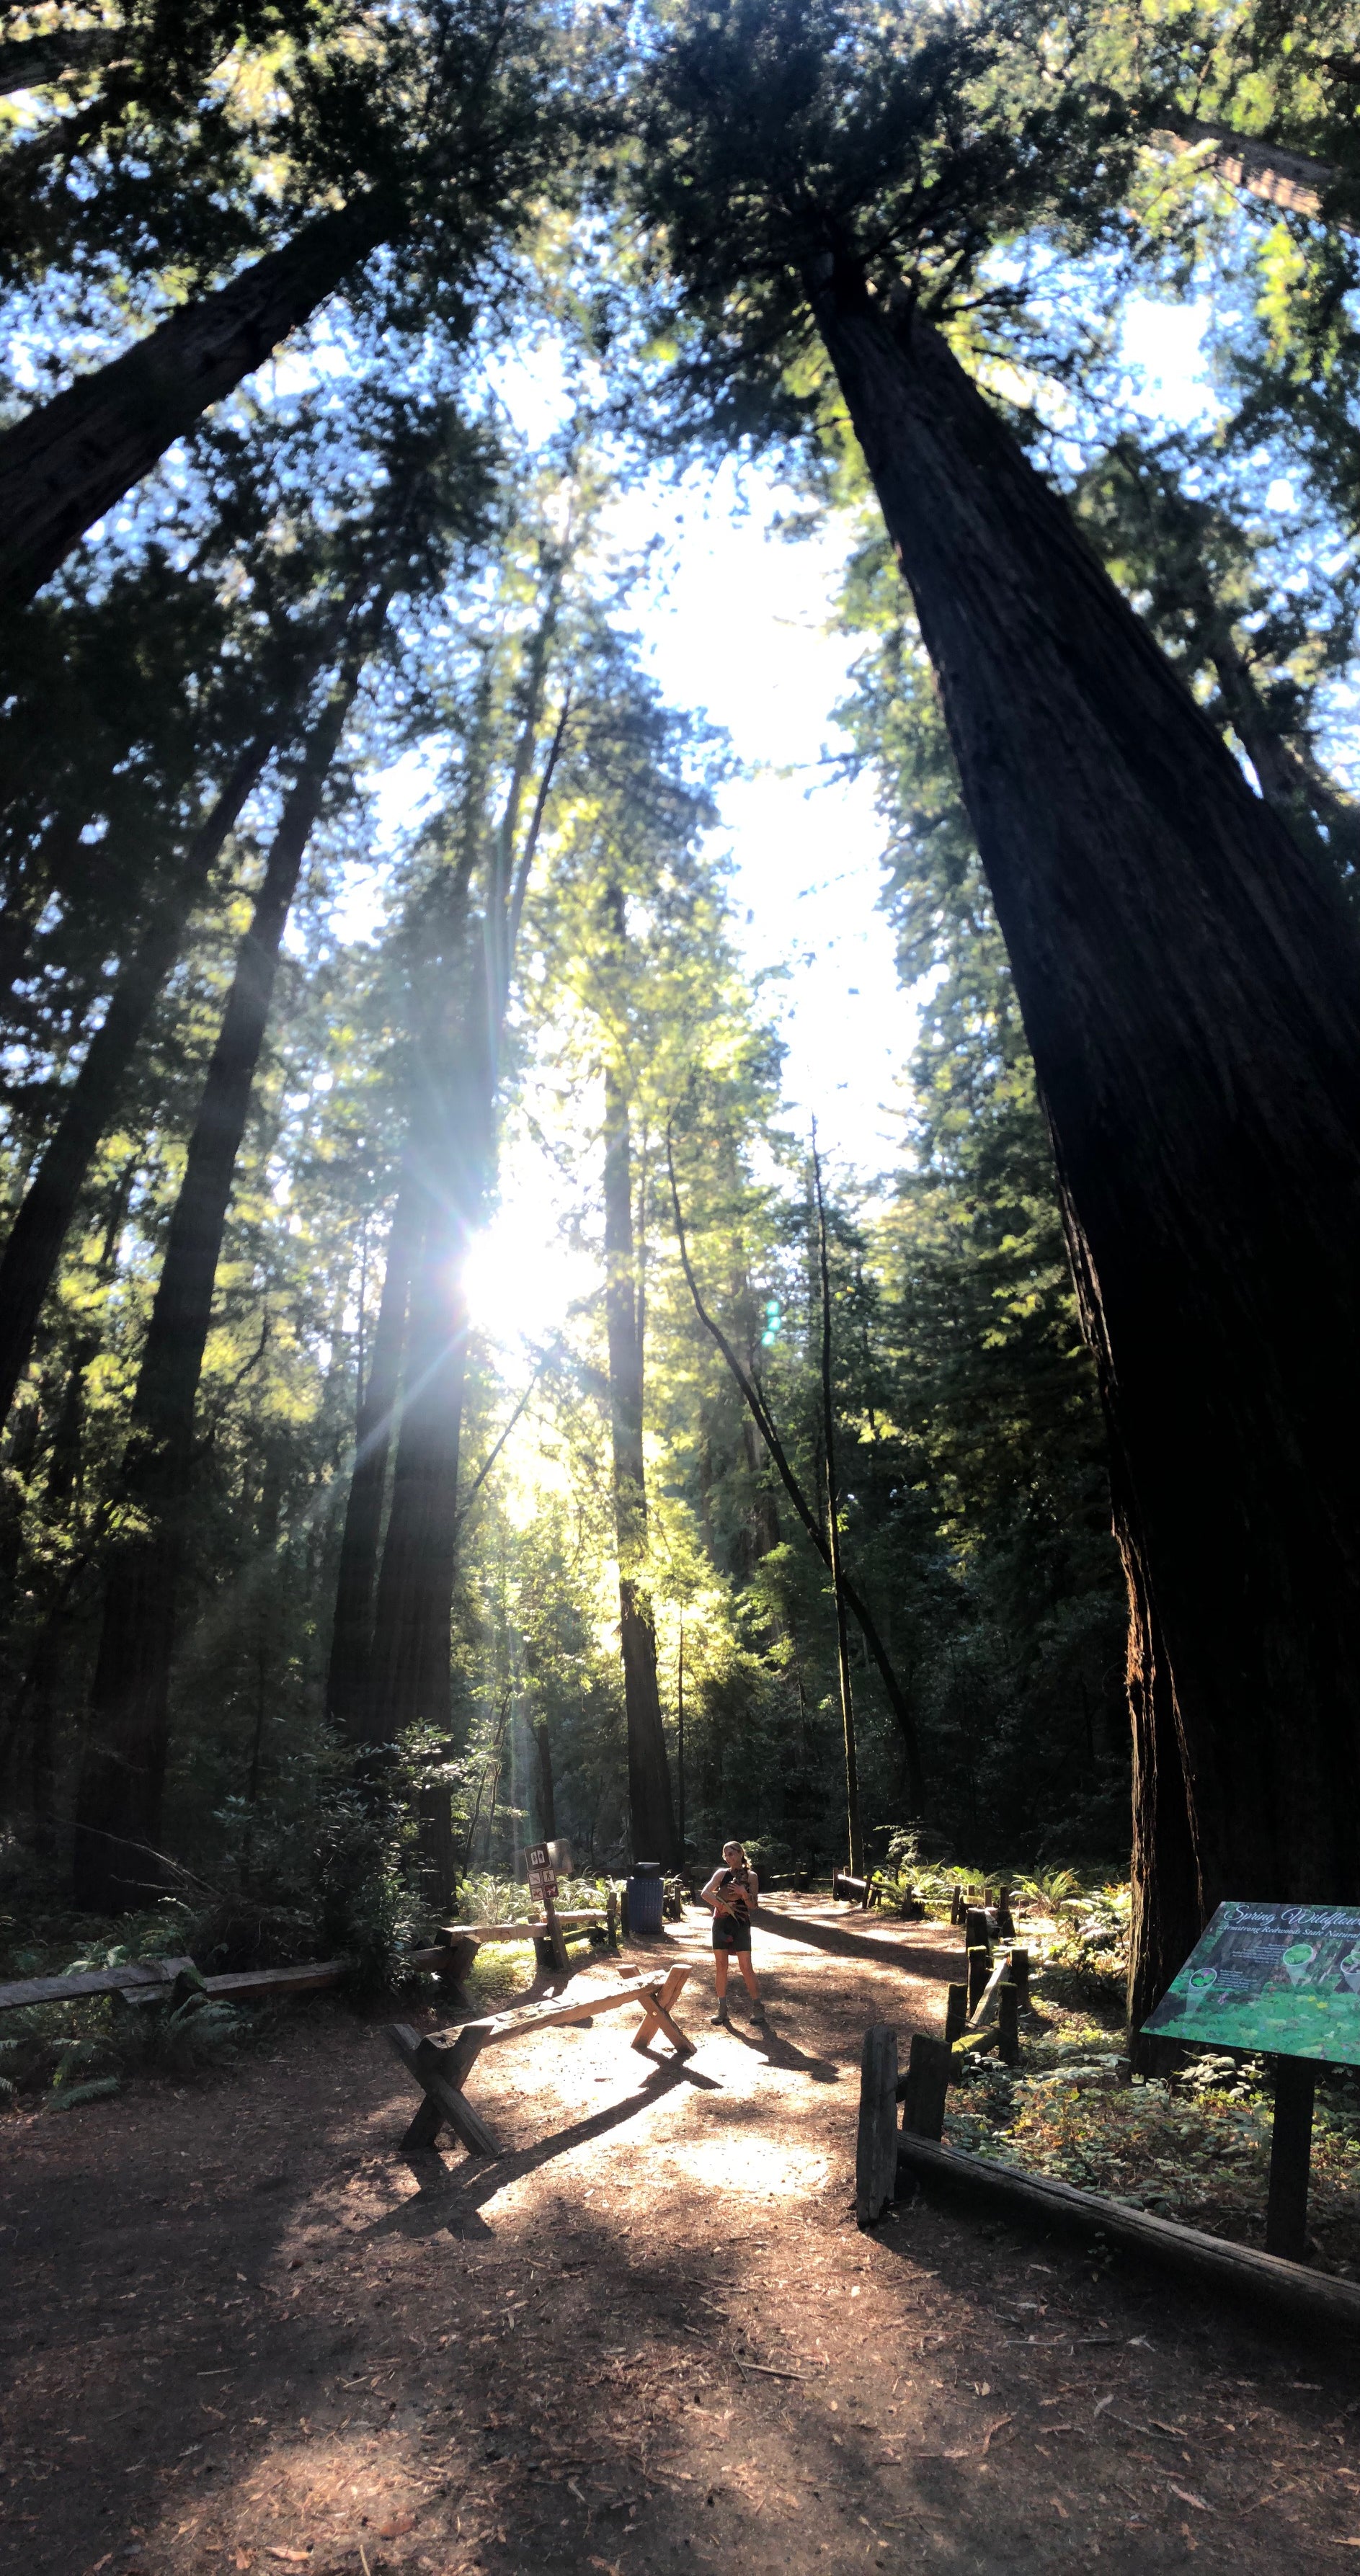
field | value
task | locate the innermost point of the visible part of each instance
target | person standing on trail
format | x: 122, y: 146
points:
x: 732, y: 1892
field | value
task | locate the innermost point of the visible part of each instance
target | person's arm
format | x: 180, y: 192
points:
x: 754, y: 1890
x: 709, y: 1895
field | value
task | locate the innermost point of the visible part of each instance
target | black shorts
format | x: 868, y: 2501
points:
x: 730, y: 1932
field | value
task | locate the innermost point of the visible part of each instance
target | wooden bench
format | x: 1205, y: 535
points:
x: 442, y: 2062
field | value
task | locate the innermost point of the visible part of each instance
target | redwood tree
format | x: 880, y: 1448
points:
x: 122, y: 1773
x: 1189, y: 979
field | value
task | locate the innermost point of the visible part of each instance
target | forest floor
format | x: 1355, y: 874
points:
x: 242, y: 2333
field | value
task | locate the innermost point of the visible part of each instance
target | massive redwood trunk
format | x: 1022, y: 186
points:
x: 348, y: 1683
x: 1190, y: 983
x: 67, y: 463
x: 122, y: 1773
x: 649, y: 1780
x: 39, y: 1229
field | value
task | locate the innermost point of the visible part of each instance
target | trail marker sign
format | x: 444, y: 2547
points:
x: 542, y: 1875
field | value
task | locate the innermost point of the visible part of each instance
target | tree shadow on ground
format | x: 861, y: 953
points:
x: 856, y: 1945
x: 451, y: 2198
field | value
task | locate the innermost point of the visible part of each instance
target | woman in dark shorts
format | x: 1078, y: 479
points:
x: 732, y: 1892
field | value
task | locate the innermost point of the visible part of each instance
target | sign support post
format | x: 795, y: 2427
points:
x: 1291, y: 2141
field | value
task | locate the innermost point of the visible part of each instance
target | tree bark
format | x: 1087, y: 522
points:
x: 122, y: 1774
x: 649, y: 1780
x: 415, y: 1582
x: 39, y: 1230
x: 348, y: 1684
x: 1190, y: 984
x: 1272, y: 171
x: 38, y: 62
x: 68, y: 462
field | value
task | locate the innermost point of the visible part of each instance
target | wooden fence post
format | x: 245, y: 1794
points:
x: 927, y: 2084
x: 979, y: 1969
x: 1008, y: 2024
x: 956, y: 2014
x: 876, y: 2145
x: 1020, y: 1974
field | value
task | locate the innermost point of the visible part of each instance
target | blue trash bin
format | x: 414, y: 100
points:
x: 646, y: 1890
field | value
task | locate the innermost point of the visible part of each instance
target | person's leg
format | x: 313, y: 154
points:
x: 720, y: 1972
x: 749, y: 1979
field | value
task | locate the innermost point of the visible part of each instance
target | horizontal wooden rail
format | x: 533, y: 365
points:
x: 1312, y: 2298
x: 310, y: 1976
x: 531, y: 1931
x: 91, y: 1981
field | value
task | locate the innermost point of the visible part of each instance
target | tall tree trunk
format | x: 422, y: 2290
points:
x: 649, y: 1779
x: 348, y: 1683
x: 68, y: 462
x: 410, y: 1667
x: 460, y: 1002
x: 1190, y: 984
x: 545, y: 1793
x: 122, y: 1773
x: 854, y: 1825
x: 39, y: 1230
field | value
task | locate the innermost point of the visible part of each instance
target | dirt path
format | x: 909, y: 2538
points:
x: 241, y: 2333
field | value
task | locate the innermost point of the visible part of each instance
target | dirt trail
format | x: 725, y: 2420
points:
x: 241, y: 2333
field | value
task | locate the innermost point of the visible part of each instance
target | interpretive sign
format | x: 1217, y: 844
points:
x: 1281, y: 1978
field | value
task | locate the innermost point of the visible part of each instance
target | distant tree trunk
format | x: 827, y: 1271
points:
x: 1190, y: 984
x: 39, y: 1230
x: 69, y: 461
x: 348, y: 1685
x: 855, y: 1828
x: 545, y: 1794
x: 418, y: 1562
x: 459, y: 1000
x: 123, y: 1770
x: 649, y: 1780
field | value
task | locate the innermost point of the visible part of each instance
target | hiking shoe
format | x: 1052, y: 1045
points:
x: 721, y: 2019
x: 758, y: 2012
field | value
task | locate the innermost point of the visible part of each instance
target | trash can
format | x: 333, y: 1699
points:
x: 646, y: 1889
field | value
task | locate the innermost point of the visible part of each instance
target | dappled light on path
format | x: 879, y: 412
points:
x: 251, y: 2337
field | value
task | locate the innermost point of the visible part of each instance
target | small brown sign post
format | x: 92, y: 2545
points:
x: 543, y: 1885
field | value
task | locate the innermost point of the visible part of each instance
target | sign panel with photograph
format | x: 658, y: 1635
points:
x: 1281, y: 1978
